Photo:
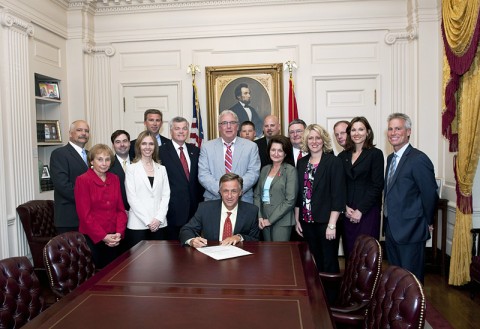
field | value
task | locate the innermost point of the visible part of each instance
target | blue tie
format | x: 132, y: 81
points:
x: 84, y: 156
x: 393, y: 166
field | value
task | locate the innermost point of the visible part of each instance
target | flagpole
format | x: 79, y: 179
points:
x: 196, y: 130
x: 292, y: 101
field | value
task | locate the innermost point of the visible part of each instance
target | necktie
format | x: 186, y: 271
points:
x: 228, y: 158
x: 393, y: 166
x: 183, y: 160
x: 84, y: 156
x: 299, y: 155
x: 227, y: 227
x: 124, y: 165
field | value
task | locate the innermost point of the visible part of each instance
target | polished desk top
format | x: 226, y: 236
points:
x: 161, y: 284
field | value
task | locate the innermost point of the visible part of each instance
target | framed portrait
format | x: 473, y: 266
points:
x: 45, y: 172
x: 251, y: 91
x: 49, y: 89
x: 48, y: 131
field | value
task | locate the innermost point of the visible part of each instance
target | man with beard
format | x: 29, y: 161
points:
x: 121, y: 146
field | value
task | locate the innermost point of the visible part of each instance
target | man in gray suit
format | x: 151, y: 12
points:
x: 227, y: 220
x: 228, y: 153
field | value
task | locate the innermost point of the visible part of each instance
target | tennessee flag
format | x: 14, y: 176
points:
x: 292, y: 102
x: 196, y: 130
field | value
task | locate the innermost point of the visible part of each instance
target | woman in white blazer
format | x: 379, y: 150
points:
x: 148, y: 193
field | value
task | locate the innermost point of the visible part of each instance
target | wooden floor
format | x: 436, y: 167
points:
x: 454, y: 303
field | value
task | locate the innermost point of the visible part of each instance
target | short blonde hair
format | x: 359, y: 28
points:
x: 327, y: 141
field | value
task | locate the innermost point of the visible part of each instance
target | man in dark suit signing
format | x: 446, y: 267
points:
x: 121, y: 146
x: 181, y: 161
x: 153, y: 121
x: 243, y: 110
x: 66, y: 164
x: 228, y: 220
x: 410, y: 199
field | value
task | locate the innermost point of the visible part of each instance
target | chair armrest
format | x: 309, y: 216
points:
x: 349, y: 309
x: 330, y: 277
x: 475, y: 230
x: 352, y: 319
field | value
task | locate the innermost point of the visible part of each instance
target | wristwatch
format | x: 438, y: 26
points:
x: 331, y: 226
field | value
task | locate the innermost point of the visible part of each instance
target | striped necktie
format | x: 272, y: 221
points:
x: 228, y: 158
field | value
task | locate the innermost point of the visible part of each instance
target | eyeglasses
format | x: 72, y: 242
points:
x: 226, y: 123
x: 293, y: 132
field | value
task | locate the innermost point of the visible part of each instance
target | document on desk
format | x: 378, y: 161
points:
x: 223, y: 252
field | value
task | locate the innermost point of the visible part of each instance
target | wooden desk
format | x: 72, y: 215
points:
x: 159, y: 284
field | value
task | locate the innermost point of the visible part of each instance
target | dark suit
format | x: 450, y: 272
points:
x: 364, y: 180
x: 117, y: 169
x: 184, y: 194
x: 65, y: 166
x: 328, y: 194
x: 206, y: 222
x: 411, y: 199
x: 131, y: 153
x: 243, y: 116
x: 263, y: 151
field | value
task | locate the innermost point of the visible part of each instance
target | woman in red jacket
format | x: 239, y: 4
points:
x: 102, y: 216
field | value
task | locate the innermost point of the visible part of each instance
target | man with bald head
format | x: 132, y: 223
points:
x: 340, y: 132
x: 271, y: 127
x: 66, y: 164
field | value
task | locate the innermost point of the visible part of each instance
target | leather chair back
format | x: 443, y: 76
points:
x: 362, y: 272
x: 399, y: 301
x: 69, y: 262
x: 37, y: 219
x: 20, y: 292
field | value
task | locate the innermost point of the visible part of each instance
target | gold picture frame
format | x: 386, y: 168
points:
x: 264, y: 81
x: 48, y: 132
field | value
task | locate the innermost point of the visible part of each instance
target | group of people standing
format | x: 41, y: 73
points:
x: 280, y: 186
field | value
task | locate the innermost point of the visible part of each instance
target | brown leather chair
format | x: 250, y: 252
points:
x: 69, y: 262
x: 359, y: 281
x: 399, y: 301
x: 475, y: 264
x: 19, y: 292
x: 38, y: 223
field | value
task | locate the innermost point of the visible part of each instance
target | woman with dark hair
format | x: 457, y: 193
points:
x: 276, y: 191
x: 99, y: 203
x: 148, y: 192
x: 321, y: 198
x: 363, y: 166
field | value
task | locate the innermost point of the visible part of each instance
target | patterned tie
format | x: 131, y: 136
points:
x: 228, y: 158
x: 393, y: 166
x: 227, y: 227
x: 183, y: 160
x: 84, y: 156
x: 124, y: 165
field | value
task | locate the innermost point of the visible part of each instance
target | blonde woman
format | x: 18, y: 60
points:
x: 148, y: 192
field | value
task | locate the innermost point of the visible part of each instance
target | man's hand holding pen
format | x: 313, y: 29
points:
x: 198, y: 242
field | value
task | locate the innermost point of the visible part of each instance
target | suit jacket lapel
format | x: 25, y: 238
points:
x: 75, y: 155
x: 399, y: 167
x: 237, y: 154
x: 175, y: 158
x: 320, y: 171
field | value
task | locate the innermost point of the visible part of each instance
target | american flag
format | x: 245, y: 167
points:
x: 196, y: 130
x: 292, y: 102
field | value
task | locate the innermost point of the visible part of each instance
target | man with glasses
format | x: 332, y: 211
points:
x: 295, y: 132
x: 228, y: 153
x: 228, y: 220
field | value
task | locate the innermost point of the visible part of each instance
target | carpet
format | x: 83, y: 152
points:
x: 435, y: 319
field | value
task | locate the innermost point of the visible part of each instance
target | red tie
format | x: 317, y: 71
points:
x: 299, y: 155
x: 227, y: 227
x: 183, y: 160
x: 228, y: 158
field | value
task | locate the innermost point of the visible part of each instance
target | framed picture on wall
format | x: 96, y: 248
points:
x: 49, y: 89
x: 48, y: 131
x: 251, y: 91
